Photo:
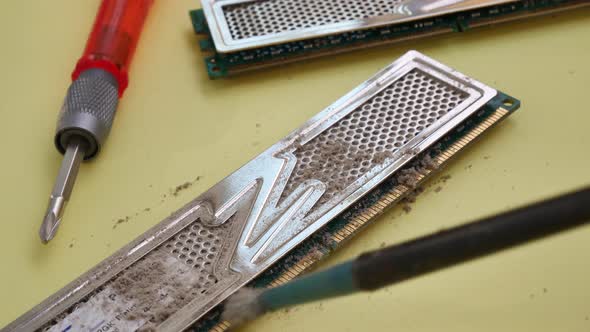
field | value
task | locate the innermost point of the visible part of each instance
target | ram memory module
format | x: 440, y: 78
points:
x: 285, y: 209
x: 245, y: 35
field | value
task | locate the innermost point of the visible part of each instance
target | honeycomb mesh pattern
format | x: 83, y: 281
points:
x: 372, y: 132
x: 265, y: 17
x: 198, y: 247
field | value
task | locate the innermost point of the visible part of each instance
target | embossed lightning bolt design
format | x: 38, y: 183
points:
x: 272, y: 221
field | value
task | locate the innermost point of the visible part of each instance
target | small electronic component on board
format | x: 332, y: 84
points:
x: 285, y: 209
x: 245, y: 35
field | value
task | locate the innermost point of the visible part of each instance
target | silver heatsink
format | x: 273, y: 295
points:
x: 237, y: 25
x: 190, y: 262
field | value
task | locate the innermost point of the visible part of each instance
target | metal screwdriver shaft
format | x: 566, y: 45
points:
x: 98, y: 81
x: 62, y: 189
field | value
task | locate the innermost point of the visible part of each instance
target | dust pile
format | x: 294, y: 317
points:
x: 410, y: 176
x: 181, y: 187
x: 380, y: 157
x: 120, y: 221
x: 159, y: 284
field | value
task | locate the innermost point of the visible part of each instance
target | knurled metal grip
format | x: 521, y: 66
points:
x: 88, y: 111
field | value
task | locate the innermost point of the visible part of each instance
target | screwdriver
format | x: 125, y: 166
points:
x: 98, y: 82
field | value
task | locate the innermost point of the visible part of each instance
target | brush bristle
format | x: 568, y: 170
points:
x: 243, y: 306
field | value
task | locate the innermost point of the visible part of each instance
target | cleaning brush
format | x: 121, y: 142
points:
x: 393, y: 264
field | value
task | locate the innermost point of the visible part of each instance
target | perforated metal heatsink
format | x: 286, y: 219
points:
x: 244, y: 24
x: 379, y: 127
x: 245, y: 35
x: 259, y: 18
x: 178, y: 271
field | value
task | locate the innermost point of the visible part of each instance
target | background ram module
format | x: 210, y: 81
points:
x: 249, y: 35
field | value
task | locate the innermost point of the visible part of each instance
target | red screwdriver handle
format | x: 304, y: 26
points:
x: 88, y: 111
x: 113, y: 39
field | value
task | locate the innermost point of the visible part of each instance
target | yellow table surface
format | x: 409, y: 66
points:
x: 175, y: 124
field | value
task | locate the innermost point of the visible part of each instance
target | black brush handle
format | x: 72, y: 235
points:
x: 456, y: 245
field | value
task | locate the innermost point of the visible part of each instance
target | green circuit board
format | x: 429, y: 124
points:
x: 220, y: 65
x: 345, y: 226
